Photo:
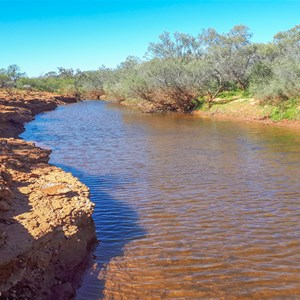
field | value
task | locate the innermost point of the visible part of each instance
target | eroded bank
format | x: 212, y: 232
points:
x: 46, y: 228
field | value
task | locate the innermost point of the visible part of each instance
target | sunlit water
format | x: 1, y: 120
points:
x: 186, y: 208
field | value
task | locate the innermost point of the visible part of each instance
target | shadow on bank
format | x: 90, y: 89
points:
x: 32, y: 267
x: 116, y: 226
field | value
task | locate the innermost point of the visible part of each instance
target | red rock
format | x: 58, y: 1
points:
x: 44, y: 212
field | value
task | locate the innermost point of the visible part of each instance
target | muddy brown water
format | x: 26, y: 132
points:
x: 186, y: 208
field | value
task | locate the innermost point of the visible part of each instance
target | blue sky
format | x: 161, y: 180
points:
x: 41, y: 35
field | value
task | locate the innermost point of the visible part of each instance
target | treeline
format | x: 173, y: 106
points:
x: 64, y: 81
x: 182, y: 70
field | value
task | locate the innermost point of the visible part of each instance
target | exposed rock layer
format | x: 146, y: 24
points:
x: 46, y: 227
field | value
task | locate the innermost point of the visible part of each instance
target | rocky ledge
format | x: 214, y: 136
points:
x: 46, y: 229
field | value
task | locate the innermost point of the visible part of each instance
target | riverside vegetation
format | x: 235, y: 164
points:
x: 46, y: 229
x: 183, y: 72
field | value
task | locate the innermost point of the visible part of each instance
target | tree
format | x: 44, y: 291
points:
x: 171, y: 83
x: 65, y: 73
x: 5, y: 81
x: 277, y: 75
x: 119, y: 82
x: 14, y: 73
x: 232, y: 53
x: 288, y: 42
x: 74, y: 80
x: 182, y: 46
x: 208, y: 80
x: 51, y: 74
x: 95, y: 81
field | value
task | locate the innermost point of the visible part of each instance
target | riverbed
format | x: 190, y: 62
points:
x: 186, y: 208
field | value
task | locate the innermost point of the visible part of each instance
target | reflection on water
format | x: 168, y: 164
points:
x: 185, y: 208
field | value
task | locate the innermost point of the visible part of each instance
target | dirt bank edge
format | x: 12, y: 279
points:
x: 238, y: 110
x: 46, y: 228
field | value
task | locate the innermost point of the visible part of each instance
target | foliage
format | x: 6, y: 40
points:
x: 94, y: 81
x: 5, y: 81
x: 277, y: 75
x: 183, y: 72
x: 65, y: 81
x: 9, y: 77
x: 182, y: 46
x: 232, y: 54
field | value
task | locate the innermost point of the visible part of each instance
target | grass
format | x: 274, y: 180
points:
x: 287, y: 110
x: 224, y: 98
x: 234, y: 94
x: 241, y: 103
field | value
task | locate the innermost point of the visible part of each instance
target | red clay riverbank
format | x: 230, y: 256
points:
x: 46, y: 227
x: 293, y: 124
x: 238, y: 110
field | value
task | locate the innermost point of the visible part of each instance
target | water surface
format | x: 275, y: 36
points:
x: 186, y: 208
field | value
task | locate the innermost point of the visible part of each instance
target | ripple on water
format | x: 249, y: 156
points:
x: 185, y: 208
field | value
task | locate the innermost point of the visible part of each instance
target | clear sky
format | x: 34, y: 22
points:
x: 41, y: 35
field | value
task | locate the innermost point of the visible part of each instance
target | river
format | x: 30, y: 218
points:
x: 186, y: 208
